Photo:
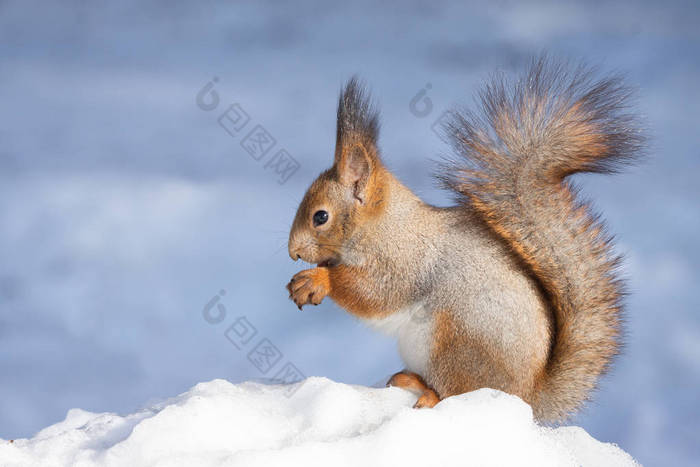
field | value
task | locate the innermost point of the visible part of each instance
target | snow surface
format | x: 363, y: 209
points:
x: 124, y: 208
x: 321, y: 423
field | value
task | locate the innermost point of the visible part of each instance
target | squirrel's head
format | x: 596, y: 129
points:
x: 344, y: 198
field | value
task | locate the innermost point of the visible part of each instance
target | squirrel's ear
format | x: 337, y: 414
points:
x: 354, y: 167
x: 356, y: 153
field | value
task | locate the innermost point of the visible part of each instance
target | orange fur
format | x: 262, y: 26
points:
x: 518, y: 280
x: 310, y: 286
x: 427, y: 397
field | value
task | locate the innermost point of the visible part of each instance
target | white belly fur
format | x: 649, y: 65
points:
x: 412, y: 328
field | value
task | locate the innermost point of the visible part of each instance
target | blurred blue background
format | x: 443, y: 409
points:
x: 125, y: 208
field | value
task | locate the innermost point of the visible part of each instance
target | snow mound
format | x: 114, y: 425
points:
x: 317, y: 422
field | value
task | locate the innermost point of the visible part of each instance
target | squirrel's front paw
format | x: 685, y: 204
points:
x: 309, y: 286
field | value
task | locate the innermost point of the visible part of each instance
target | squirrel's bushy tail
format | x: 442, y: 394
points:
x: 515, y: 157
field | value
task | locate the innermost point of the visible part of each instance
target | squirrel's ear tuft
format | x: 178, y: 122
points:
x: 358, y: 120
x: 356, y: 152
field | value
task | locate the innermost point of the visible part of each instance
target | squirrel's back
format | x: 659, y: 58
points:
x: 514, y: 160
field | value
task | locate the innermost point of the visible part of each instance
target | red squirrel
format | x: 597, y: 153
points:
x: 516, y: 286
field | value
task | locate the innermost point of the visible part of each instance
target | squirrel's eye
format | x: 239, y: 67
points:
x: 320, y: 218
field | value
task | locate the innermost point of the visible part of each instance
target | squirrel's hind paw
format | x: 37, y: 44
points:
x: 428, y: 398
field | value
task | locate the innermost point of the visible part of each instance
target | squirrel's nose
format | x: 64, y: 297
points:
x: 295, y: 246
x: 293, y: 253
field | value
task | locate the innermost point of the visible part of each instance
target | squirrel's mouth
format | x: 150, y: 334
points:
x: 328, y: 263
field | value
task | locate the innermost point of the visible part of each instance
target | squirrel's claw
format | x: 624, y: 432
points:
x: 309, y: 287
